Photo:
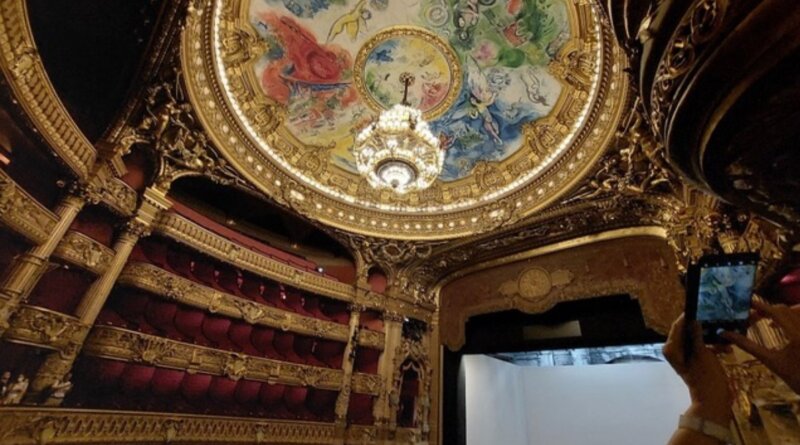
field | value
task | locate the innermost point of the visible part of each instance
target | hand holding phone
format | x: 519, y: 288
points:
x: 719, y: 294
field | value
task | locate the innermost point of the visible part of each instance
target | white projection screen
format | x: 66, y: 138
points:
x: 619, y: 404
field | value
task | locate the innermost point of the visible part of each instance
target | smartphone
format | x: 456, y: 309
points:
x: 719, y: 293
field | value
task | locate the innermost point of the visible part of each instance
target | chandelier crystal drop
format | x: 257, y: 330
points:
x: 398, y: 151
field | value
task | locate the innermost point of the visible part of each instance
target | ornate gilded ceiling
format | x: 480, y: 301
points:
x: 526, y: 95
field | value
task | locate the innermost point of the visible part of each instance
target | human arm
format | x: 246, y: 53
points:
x: 706, y: 380
x: 784, y: 362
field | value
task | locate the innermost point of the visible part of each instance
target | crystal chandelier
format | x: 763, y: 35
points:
x: 398, y: 151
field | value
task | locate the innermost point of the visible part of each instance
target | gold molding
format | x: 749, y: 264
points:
x: 187, y: 232
x: 367, y: 383
x: 654, y: 231
x: 82, y: 251
x: 161, y: 282
x: 22, y: 213
x: 119, y: 196
x: 37, y: 426
x: 45, y: 328
x: 130, y: 346
x: 27, y: 78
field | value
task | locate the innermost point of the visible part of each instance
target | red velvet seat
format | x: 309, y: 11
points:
x: 131, y: 305
x: 106, y: 373
x: 330, y: 352
x: 304, y: 348
x: 194, y: 388
x: 284, y: 345
x: 239, y: 334
x: 336, y: 311
x: 166, y: 382
x: 189, y: 322
x: 205, y: 272
x: 311, y: 304
x: 275, y: 295
x: 294, y: 302
x: 215, y: 329
x: 320, y: 402
x: 295, y: 399
x: 271, y: 395
x: 136, y: 379
x: 230, y: 281
x: 156, y: 251
x: 367, y: 360
x: 262, y: 338
x: 161, y: 315
x: 180, y: 261
x: 222, y: 390
x: 359, y: 412
x: 253, y: 289
x: 110, y: 317
x: 247, y: 392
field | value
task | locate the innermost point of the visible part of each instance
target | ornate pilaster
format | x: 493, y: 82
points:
x: 25, y: 271
x: 343, y: 400
x: 57, y: 365
x: 393, y: 325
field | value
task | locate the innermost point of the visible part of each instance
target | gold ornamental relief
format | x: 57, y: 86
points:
x: 536, y: 282
x: 274, y: 82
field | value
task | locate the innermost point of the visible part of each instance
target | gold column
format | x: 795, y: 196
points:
x: 435, y: 396
x: 25, y: 271
x: 58, y: 364
x: 343, y: 400
x: 393, y: 324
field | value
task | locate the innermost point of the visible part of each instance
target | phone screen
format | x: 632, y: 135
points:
x: 724, y: 290
x: 724, y: 293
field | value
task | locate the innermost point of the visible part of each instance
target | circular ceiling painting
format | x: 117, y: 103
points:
x: 524, y: 94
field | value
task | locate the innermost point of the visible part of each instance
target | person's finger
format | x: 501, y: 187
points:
x: 781, y: 314
x: 673, y: 347
x: 756, y: 350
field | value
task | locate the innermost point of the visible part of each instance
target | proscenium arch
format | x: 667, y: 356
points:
x: 633, y: 261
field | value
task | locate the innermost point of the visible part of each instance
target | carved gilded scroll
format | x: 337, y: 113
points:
x: 45, y: 328
x: 84, y: 252
x: 57, y: 426
x: 22, y: 213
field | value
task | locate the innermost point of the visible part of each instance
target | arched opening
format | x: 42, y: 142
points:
x: 377, y: 280
x: 410, y: 373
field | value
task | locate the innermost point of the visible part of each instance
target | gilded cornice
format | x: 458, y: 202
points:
x: 22, y: 213
x: 367, y: 383
x: 82, y: 251
x: 119, y: 196
x: 45, y: 328
x: 35, y: 426
x: 208, y: 242
x: 161, y: 282
x: 129, y: 346
x: 32, y: 90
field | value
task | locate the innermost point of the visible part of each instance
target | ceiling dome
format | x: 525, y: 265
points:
x: 523, y: 94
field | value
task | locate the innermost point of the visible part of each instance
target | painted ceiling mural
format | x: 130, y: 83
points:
x: 480, y: 67
x: 524, y: 94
